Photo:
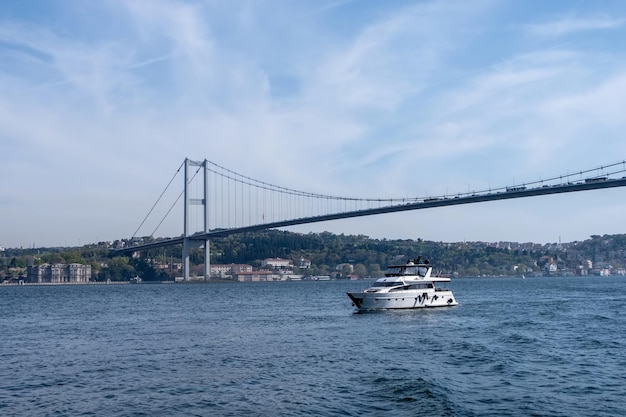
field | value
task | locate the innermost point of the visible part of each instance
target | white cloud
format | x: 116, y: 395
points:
x: 567, y: 25
x: 421, y: 98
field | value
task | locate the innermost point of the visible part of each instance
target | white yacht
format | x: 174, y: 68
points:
x: 411, y: 285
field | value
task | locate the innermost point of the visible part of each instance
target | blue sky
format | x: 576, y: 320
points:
x: 100, y: 102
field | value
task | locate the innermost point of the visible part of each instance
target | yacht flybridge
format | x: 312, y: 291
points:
x: 411, y: 285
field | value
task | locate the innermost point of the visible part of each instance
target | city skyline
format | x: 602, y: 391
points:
x: 101, y: 102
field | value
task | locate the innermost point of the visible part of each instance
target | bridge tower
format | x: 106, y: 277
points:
x: 188, y: 240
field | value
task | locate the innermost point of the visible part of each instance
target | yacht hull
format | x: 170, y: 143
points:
x: 402, y: 300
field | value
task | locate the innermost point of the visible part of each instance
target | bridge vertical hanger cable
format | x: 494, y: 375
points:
x: 209, y: 200
x: 243, y: 204
x: 196, y: 211
x: 286, y: 202
x: 250, y: 205
x: 278, y: 207
x: 216, y: 201
x: 325, y: 204
x: 212, y: 210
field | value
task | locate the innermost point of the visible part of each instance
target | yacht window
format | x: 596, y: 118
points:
x: 387, y: 284
x: 422, y: 286
x: 406, y: 270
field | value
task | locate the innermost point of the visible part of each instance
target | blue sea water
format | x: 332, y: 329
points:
x: 512, y: 347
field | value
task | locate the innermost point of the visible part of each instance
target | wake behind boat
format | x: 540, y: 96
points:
x: 411, y: 285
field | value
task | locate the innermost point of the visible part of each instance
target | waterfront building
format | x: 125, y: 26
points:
x: 253, y: 276
x: 59, y: 273
x: 304, y: 263
x: 552, y: 268
x: 345, y: 266
x: 277, y: 263
x: 224, y: 270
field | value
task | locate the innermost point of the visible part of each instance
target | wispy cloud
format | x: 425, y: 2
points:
x: 387, y: 99
x: 567, y: 25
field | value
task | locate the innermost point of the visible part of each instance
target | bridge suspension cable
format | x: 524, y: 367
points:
x: 161, y: 196
x: 234, y: 200
x: 174, y: 203
x: 158, y: 199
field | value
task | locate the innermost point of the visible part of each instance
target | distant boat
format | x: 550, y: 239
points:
x: 320, y: 278
x: 407, y: 286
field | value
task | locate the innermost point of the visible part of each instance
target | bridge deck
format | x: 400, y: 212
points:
x: 518, y: 192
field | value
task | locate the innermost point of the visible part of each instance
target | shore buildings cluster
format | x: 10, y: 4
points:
x: 272, y: 269
x: 598, y: 256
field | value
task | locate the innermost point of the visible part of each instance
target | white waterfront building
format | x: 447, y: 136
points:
x: 59, y: 273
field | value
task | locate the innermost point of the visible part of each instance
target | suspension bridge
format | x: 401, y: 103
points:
x: 234, y: 203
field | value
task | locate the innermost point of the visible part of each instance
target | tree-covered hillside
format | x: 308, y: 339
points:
x: 326, y: 251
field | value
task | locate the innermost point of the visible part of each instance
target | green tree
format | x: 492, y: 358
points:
x: 472, y: 272
x: 117, y: 269
x: 360, y: 270
x: 375, y: 271
x: 346, y: 270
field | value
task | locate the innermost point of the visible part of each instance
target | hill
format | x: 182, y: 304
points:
x: 599, y: 255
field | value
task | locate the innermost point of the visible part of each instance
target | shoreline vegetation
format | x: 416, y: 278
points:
x: 323, y: 254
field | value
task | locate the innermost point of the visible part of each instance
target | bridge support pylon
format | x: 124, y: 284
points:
x: 188, y: 240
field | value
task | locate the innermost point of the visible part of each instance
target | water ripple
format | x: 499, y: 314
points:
x: 538, y: 347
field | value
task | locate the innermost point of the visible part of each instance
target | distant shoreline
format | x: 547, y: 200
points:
x: 47, y: 284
